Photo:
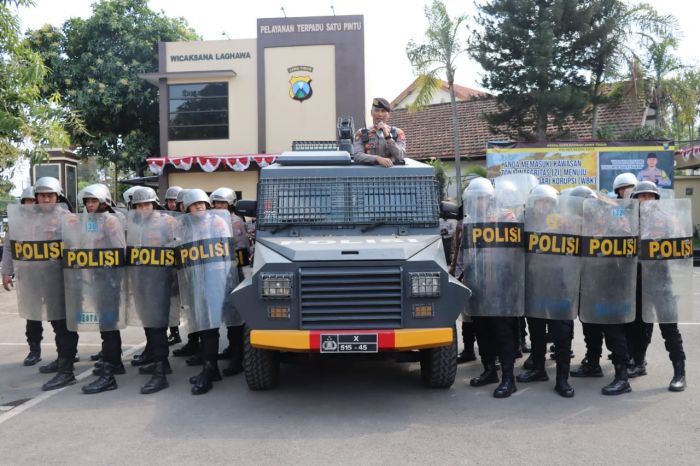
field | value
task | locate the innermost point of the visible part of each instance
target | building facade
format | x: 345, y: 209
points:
x: 228, y: 107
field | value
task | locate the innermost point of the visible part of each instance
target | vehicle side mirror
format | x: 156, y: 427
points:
x: 246, y: 208
x: 450, y: 211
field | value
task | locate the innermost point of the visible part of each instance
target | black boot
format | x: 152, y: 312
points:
x: 536, y: 374
x: 235, y: 347
x: 466, y: 355
x: 487, y: 377
x: 194, y: 360
x: 190, y: 348
x: 507, y: 386
x: 96, y: 357
x: 119, y: 369
x: 63, y: 378
x: 678, y: 381
x: 34, y: 355
x: 524, y: 347
x: 225, y: 354
x: 49, y: 368
x: 637, y: 366
x: 143, y: 359
x: 620, y: 384
x: 174, y: 337
x: 203, y: 382
x: 150, y: 369
x: 158, y: 381
x: 529, y: 363
x: 562, y: 386
x: 104, y: 382
x: 215, y: 376
x: 589, y: 368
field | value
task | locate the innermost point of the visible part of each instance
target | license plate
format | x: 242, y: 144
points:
x: 349, y: 343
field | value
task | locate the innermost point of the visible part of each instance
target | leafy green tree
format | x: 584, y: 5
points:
x: 444, y: 44
x: 96, y: 62
x: 30, y: 122
x: 616, y: 35
x: 532, y: 52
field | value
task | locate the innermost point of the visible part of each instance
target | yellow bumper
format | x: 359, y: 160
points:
x: 388, y: 340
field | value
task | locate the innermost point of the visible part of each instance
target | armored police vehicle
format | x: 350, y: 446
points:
x: 348, y: 260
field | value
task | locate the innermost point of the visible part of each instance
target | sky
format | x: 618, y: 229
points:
x: 389, y: 25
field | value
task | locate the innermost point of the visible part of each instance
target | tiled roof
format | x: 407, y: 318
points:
x: 429, y: 131
x: 461, y: 92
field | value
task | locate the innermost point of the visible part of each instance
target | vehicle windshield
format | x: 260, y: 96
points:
x: 410, y: 201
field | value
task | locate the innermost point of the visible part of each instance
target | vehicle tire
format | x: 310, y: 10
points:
x: 262, y: 367
x: 438, y: 366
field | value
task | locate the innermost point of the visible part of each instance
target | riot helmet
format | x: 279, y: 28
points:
x: 543, y: 196
x: 223, y: 195
x: 646, y: 187
x: 27, y: 195
x: 143, y: 195
x: 584, y: 192
x: 127, y: 195
x: 48, y: 184
x: 625, y: 181
x: 97, y: 191
x: 172, y: 193
x: 179, y: 199
x: 193, y: 196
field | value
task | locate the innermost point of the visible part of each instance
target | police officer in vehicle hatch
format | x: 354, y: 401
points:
x: 380, y: 144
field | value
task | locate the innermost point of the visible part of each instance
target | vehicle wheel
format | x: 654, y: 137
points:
x: 438, y: 366
x: 262, y: 367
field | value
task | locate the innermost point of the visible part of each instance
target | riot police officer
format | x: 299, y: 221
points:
x: 33, y: 330
x: 607, y: 218
x: 149, y: 277
x: 49, y: 284
x: 225, y: 199
x: 659, y: 281
x: 552, y: 280
x: 207, y: 273
x: 492, y: 273
x: 171, y: 198
x: 100, y: 230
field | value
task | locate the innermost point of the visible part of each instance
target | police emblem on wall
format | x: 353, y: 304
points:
x: 300, y: 85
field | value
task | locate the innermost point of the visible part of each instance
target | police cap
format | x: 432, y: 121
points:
x: 380, y: 102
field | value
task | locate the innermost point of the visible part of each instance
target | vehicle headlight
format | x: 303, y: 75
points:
x: 425, y: 284
x: 276, y: 285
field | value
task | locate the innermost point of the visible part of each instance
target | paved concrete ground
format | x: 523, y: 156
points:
x: 345, y: 412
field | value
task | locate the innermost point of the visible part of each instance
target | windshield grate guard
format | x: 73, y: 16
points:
x: 411, y: 201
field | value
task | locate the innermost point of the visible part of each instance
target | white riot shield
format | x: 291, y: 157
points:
x: 512, y: 190
x: 150, y: 268
x: 609, y: 261
x: 93, y: 272
x: 35, y: 243
x: 494, y: 263
x: 552, y: 265
x: 666, y: 257
x: 207, y: 268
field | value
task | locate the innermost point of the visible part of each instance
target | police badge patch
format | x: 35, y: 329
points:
x: 300, y: 88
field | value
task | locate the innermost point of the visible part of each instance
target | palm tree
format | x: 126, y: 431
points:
x: 436, y: 56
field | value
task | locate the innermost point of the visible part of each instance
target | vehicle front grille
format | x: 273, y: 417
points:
x: 350, y: 297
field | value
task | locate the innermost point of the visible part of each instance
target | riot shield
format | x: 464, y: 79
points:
x: 512, y: 190
x: 494, y: 264
x: 35, y: 243
x: 93, y: 271
x: 666, y: 257
x: 552, y: 265
x: 150, y: 268
x: 207, y: 268
x: 609, y: 260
